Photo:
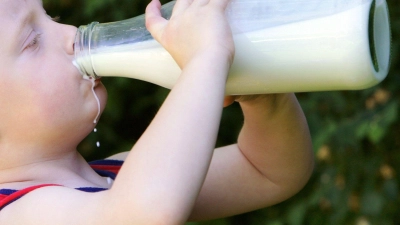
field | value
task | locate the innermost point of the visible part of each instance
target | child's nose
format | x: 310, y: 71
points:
x: 69, y: 32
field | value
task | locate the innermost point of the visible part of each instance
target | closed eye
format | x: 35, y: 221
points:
x: 34, y: 42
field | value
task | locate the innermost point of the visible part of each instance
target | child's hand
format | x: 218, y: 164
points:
x: 196, y: 27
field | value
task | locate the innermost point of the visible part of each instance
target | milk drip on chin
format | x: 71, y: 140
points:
x: 86, y: 77
x: 95, y: 96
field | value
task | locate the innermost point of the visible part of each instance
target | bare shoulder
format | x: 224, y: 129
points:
x: 55, y: 205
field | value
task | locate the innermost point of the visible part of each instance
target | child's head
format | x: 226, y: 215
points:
x: 43, y: 98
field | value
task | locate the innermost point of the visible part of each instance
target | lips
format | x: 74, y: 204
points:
x: 97, y: 82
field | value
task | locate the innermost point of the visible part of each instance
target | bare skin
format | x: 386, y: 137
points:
x: 177, y: 178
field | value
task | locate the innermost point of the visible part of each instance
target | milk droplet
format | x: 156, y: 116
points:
x: 98, y: 144
x: 95, y: 130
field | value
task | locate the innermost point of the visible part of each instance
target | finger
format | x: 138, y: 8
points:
x: 228, y: 100
x: 201, y: 2
x: 255, y: 97
x: 180, y: 6
x: 222, y: 4
x: 155, y: 23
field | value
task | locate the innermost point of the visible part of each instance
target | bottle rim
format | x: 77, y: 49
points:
x: 82, y: 49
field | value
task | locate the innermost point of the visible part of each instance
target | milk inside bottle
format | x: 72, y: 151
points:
x: 281, y: 46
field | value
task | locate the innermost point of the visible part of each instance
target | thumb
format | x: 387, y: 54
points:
x: 155, y: 23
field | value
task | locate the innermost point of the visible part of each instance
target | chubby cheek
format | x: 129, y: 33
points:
x: 74, y: 105
x: 54, y: 94
x: 63, y: 97
x: 55, y: 103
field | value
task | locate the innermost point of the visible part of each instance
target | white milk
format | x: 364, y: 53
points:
x: 95, y: 97
x: 328, y: 53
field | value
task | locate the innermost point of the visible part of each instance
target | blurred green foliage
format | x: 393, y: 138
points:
x: 356, y: 134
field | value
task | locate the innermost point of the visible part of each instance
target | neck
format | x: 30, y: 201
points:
x: 64, y: 166
x: 25, y: 154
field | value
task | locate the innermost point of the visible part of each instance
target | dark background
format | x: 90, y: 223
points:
x: 355, y: 134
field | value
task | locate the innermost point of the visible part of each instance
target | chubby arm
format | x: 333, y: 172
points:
x: 166, y: 168
x: 272, y: 160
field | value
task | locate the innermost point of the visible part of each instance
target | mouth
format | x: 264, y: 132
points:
x: 97, y: 82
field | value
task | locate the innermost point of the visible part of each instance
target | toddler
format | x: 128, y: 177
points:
x: 172, y: 174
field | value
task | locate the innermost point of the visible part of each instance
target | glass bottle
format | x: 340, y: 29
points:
x: 281, y: 46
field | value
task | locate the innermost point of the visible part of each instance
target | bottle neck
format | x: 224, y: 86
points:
x: 82, y: 47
